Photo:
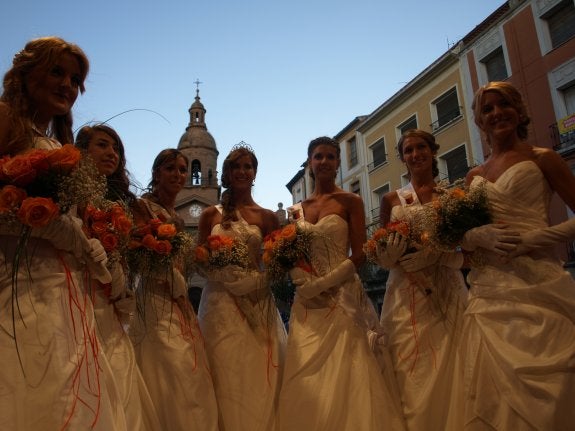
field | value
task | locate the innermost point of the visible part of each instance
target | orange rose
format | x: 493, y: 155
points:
x: 99, y: 227
x: 289, y: 232
x: 109, y: 241
x: 133, y: 244
x: 37, y: 212
x: 155, y: 223
x: 38, y: 161
x: 149, y: 241
x: 167, y: 230
x: 64, y: 159
x: 267, y: 257
x: 400, y: 227
x: 142, y: 230
x: 458, y: 193
x: 201, y: 255
x: 98, y: 215
x: 379, y: 234
x: 370, y: 246
x: 11, y: 197
x: 19, y: 171
x: 117, y: 210
x: 163, y: 247
x: 122, y: 224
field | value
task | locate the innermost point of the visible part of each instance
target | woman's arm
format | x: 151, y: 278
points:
x: 357, y: 234
x: 206, y: 223
x: 558, y: 174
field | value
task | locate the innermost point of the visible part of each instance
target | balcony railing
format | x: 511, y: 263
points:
x: 446, y: 119
x: 376, y: 164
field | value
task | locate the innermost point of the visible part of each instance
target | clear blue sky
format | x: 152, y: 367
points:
x: 275, y: 74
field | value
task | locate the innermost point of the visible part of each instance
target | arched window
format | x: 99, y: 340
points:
x: 196, y: 178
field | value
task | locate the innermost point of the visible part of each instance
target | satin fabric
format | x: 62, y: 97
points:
x: 332, y: 379
x: 245, y: 341
x: 519, y: 326
x: 53, y: 373
x: 422, y: 315
x: 134, y: 396
x: 171, y: 355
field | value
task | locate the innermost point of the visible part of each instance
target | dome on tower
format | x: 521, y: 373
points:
x: 196, y: 134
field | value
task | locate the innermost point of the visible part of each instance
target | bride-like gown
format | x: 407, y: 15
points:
x: 134, y: 396
x: 333, y: 379
x: 171, y: 355
x: 53, y: 374
x: 422, y: 315
x: 519, y: 326
x: 245, y: 341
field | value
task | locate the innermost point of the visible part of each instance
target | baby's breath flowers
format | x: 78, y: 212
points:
x: 456, y: 211
x: 37, y: 186
x: 287, y: 248
x: 220, y: 251
x: 156, y: 246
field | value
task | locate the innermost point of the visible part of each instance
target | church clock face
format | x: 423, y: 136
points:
x: 196, y: 210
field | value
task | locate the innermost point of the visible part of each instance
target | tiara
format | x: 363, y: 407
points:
x: 244, y: 146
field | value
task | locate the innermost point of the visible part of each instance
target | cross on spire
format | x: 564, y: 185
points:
x: 197, y: 82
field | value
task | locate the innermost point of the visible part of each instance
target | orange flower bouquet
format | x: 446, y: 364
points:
x: 111, y: 225
x: 220, y: 251
x: 287, y: 248
x: 381, y: 236
x: 456, y: 211
x: 155, y: 246
x: 39, y: 185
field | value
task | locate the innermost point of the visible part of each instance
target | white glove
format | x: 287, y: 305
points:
x: 453, y: 259
x: 226, y: 274
x: 394, y: 249
x: 118, y: 281
x: 309, y: 286
x: 246, y: 281
x: 419, y: 259
x: 177, y: 283
x: 63, y: 233
x: 493, y: 237
x: 546, y: 237
x: 96, y: 260
x: 126, y: 307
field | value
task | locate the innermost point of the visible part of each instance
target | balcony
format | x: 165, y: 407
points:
x: 376, y: 164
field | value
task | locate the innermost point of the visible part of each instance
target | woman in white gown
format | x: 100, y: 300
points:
x: 424, y: 299
x: 167, y: 339
x: 113, y: 305
x: 245, y: 337
x: 332, y: 378
x: 519, y: 326
x: 52, y: 373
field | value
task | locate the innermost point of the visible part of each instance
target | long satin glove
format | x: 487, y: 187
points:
x: 118, y: 281
x: 453, y: 259
x: 64, y: 233
x: 546, y: 237
x: 309, y: 286
x: 419, y: 259
x: 394, y: 249
x: 246, y: 281
x: 96, y: 259
x: 492, y: 237
x: 228, y: 273
x: 177, y: 283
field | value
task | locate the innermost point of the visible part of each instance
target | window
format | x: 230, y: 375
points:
x: 378, y: 153
x: 569, y: 97
x: 446, y: 108
x: 455, y: 163
x: 354, y: 188
x: 196, y: 172
x: 352, y: 146
x: 561, y: 22
x: 495, y: 67
x: 411, y: 123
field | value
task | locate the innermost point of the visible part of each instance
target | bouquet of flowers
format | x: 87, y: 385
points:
x: 220, y: 251
x: 287, y: 248
x: 110, y: 224
x: 456, y: 211
x: 154, y: 247
x: 39, y: 185
x: 381, y: 236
